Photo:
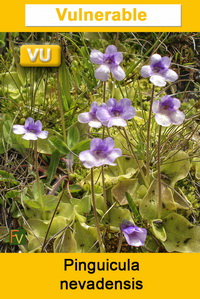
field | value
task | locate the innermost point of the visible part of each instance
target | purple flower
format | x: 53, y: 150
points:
x: 116, y: 113
x: 102, y: 152
x: 134, y: 235
x: 159, y: 71
x: 109, y: 63
x: 31, y: 130
x: 167, y: 111
x: 90, y: 117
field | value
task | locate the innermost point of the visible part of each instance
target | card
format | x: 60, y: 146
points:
x: 99, y: 149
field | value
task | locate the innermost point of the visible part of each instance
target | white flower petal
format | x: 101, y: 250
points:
x: 155, y: 58
x: 170, y: 75
x: 158, y: 80
x: 163, y: 119
x: 177, y: 117
x: 156, y: 106
x: 87, y: 159
x: 102, y: 73
x: 118, y: 73
x: 43, y: 135
x: 95, y: 124
x: 117, y: 121
x: 84, y: 117
x: 146, y: 71
x: 18, y: 129
x: 96, y: 57
x: 30, y: 136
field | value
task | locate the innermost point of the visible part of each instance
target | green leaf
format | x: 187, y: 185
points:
x: 176, y: 166
x: 7, y: 177
x: 131, y: 186
x: 117, y: 215
x: 73, y: 136
x: 132, y: 205
x: 85, y: 237
x: 52, y: 168
x: 58, y: 144
x: 64, y: 79
x: 158, y: 229
x: 49, y: 202
x: 196, y: 163
x: 32, y: 203
x: 182, y: 236
x: 65, y: 244
x: 149, y: 205
x: 81, y: 146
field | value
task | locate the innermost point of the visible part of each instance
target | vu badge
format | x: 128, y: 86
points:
x: 40, y: 55
x: 17, y: 236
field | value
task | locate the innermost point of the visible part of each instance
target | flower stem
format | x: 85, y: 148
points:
x: 37, y: 174
x: 61, y: 109
x: 134, y: 156
x: 120, y: 242
x: 95, y: 213
x: 149, y: 136
x: 50, y: 223
x: 104, y: 91
x: 159, y: 175
x: 102, y: 167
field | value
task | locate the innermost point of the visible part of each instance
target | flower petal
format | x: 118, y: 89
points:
x: 95, y: 124
x: 29, y: 122
x: 118, y: 73
x: 177, y: 117
x: 30, y: 136
x: 129, y: 114
x: 114, y: 154
x: 111, y: 49
x: 166, y: 61
x: 158, y: 80
x: 163, y: 119
x: 170, y: 75
x: 87, y: 159
x: 109, y: 143
x: 96, y: 57
x: 18, y: 129
x: 175, y: 102
x: 85, y: 117
x: 111, y: 103
x: 117, y: 121
x: 43, y: 134
x: 126, y: 103
x: 118, y: 57
x: 155, y: 58
x: 38, y: 126
x: 156, y: 106
x: 102, y: 73
x: 94, y: 143
x: 103, y: 114
x: 146, y: 71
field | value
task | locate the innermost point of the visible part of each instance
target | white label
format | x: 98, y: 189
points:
x: 57, y: 15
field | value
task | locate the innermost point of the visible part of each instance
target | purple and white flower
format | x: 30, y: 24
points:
x: 90, y: 117
x: 134, y: 235
x: 109, y: 63
x: 101, y: 152
x: 167, y: 111
x: 31, y: 130
x: 159, y: 71
x: 116, y: 113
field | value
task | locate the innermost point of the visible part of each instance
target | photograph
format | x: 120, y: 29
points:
x: 99, y: 142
